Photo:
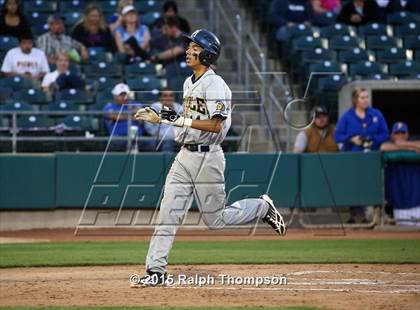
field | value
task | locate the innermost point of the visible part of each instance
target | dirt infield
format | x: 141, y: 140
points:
x: 331, y: 286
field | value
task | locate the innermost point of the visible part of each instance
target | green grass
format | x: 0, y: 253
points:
x: 212, y: 252
x: 155, y: 308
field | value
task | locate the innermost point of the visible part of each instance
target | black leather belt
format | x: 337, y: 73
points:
x: 197, y: 147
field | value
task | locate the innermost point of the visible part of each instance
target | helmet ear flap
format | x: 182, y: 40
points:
x: 206, y: 58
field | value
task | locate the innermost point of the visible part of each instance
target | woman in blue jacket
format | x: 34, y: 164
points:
x: 361, y: 128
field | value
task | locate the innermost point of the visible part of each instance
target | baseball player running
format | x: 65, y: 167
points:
x: 198, y: 169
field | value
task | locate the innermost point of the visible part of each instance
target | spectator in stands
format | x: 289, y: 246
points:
x: 384, y: 9
x: 405, y: 5
x: 361, y: 128
x: 319, y: 137
x: 402, y: 178
x: 55, y: 41
x: 116, y: 19
x: 323, y: 6
x: 117, y: 119
x: 62, y: 78
x: 400, y: 140
x: 165, y: 134
x: 12, y: 21
x: 286, y: 13
x: 170, y: 47
x: 92, y: 31
x: 170, y: 9
x: 359, y: 12
x: 25, y: 60
x: 132, y: 37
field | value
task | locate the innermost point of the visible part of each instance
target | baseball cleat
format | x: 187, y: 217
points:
x: 273, y: 217
x: 151, y: 279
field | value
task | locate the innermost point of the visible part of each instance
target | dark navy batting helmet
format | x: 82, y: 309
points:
x: 209, y: 42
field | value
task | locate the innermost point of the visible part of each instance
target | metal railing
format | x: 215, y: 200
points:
x: 12, y: 132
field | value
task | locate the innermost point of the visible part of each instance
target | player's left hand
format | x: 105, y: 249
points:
x: 148, y: 115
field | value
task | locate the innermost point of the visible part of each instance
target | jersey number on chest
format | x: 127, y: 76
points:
x: 197, y: 105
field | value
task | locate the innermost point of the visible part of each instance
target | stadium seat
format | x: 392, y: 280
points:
x: 373, y: 29
x: 149, y: 97
x: 391, y: 55
x: 410, y: 29
x: 17, y: 106
x: 412, y: 42
x: 103, y: 97
x: 307, y: 43
x: 299, y: 30
x: 17, y: 83
x: 317, y: 55
x: 103, y: 69
x: 382, y: 42
x: 31, y: 96
x: 39, y: 6
x: 344, y: 43
x: 98, y: 106
x: 31, y: 121
x: 72, y: 18
x: 99, y: 55
x: 106, y: 83
x: 325, y: 66
x: 72, y: 6
x: 366, y: 68
x: 59, y: 106
x: 7, y: 43
x: 405, y: 68
x: 325, y: 19
x: 73, y: 68
x: 377, y: 77
x: 336, y: 30
x: 149, y: 18
x: 144, y: 83
x: 109, y: 6
x: 38, y: 18
x: 40, y: 29
x: 146, y: 6
x: 332, y: 82
x: 401, y: 18
x: 140, y: 68
x: 356, y: 54
x: 75, y: 96
x: 5, y: 94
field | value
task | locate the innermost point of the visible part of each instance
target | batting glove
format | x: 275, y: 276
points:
x: 147, y: 115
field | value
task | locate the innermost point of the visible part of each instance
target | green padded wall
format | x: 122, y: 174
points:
x: 27, y: 181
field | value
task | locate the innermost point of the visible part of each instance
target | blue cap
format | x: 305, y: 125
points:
x: 400, y: 127
x: 55, y: 17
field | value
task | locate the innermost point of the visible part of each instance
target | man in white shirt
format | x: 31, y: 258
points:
x: 25, y: 60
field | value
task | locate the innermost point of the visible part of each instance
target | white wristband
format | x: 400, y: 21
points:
x: 187, y: 122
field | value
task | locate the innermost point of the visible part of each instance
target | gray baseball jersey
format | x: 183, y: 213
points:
x: 199, y: 175
x: 203, y: 99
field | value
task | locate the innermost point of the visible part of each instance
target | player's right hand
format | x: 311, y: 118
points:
x: 148, y: 115
x: 169, y: 114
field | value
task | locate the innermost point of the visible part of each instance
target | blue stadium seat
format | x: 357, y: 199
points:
x: 307, y: 43
x: 391, y: 55
x: 382, y: 42
x: 373, y: 29
x: 412, y: 42
x: 31, y: 121
x: 332, y: 82
x: 377, y: 77
x: 299, y: 30
x: 6, y: 94
x: 140, y: 68
x: 405, y: 68
x: 17, y: 83
x: 17, y: 106
x: 102, y: 69
x: 401, y: 18
x: 99, y: 55
x: 31, y: 96
x: 61, y: 106
x: 317, y: 55
x: 75, y: 96
x: 38, y: 18
x: 366, y: 68
x: 325, y: 66
x: 149, y: 97
x: 103, y: 97
x: 39, y: 6
x: 7, y: 43
x: 109, y: 6
x: 325, y: 19
x: 72, y: 6
x: 144, y: 83
x: 149, y: 18
x: 336, y: 30
x: 410, y: 29
x: 106, y: 83
x: 73, y: 68
x: 146, y: 6
x: 345, y: 42
x: 40, y: 29
x: 72, y: 18
x: 356, y: 54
